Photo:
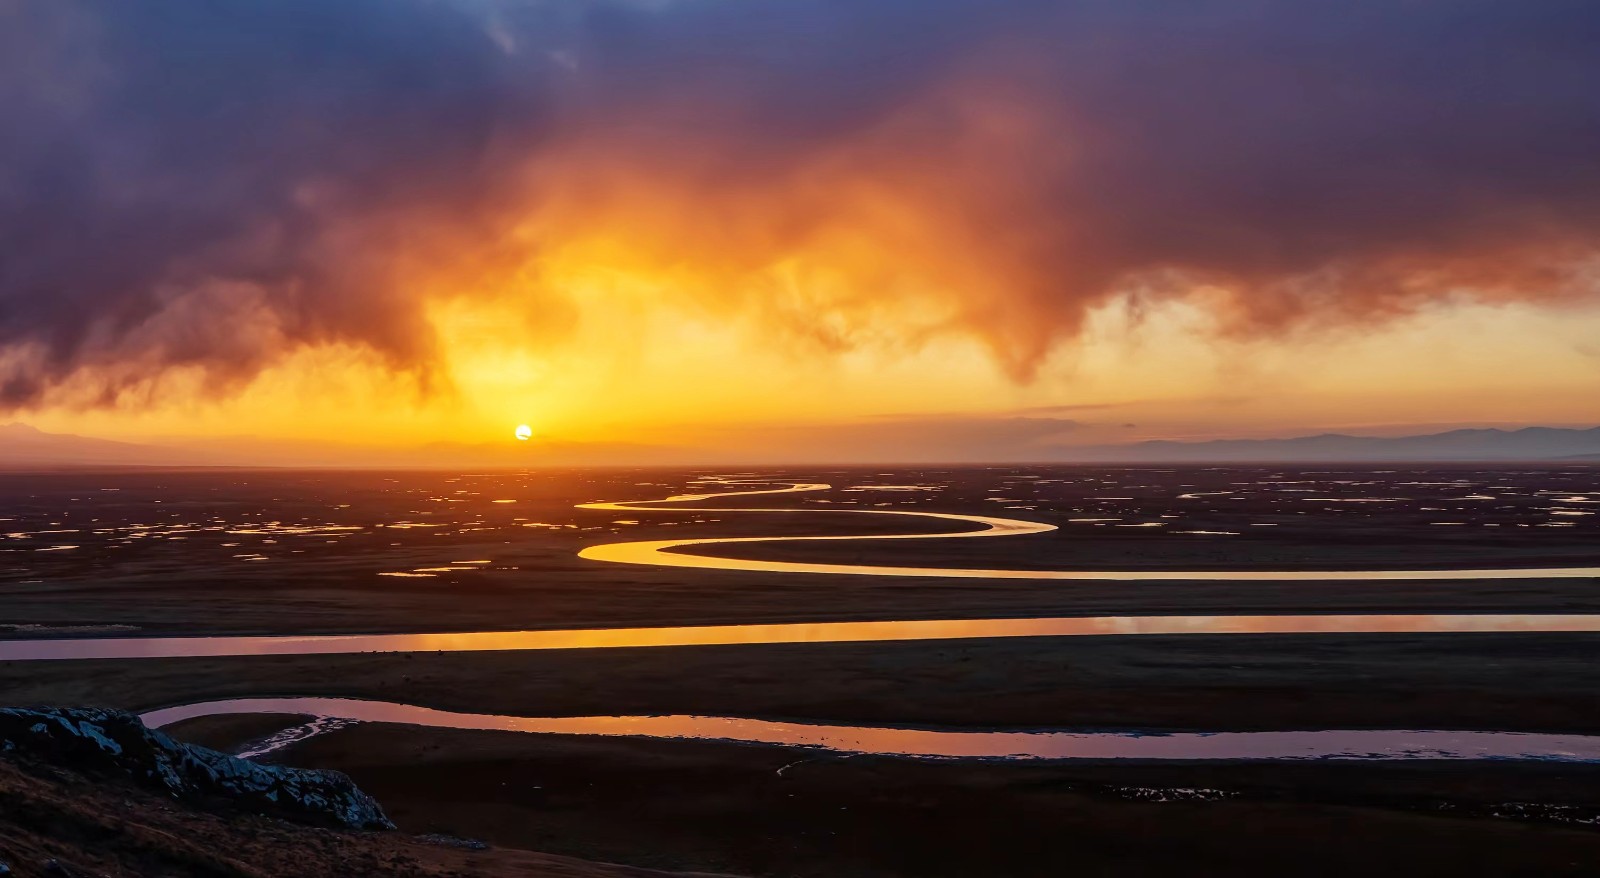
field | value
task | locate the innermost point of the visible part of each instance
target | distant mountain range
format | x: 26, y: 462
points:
x: 24, y: 447
x: 1530, y: 443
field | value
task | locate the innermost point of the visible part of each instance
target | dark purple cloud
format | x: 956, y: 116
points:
x: 170, y: 170
x: 213, y: 184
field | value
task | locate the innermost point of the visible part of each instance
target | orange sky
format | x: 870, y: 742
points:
x: 794, y: 226
x: 640, y: 369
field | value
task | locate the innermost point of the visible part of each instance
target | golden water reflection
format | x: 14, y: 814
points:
x: 663, y: 553
x: 793, y: 632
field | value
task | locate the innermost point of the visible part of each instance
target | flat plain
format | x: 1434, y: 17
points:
x: 126, y: 554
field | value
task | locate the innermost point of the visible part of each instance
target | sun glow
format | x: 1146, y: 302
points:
x: 839, y: 222
x: 629, y: 312
x: 636, y: 365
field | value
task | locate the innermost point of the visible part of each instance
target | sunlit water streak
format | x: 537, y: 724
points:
x: 1363, y: 744
x: 792, y: 632
x: 290, y: 736
x: 661, y: 553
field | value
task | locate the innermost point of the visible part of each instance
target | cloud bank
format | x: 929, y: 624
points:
x: 208, y: 187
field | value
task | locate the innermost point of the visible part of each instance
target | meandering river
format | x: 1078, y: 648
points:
x: 330, y: 713
x: 661, y: 553
x: 1366, y: 744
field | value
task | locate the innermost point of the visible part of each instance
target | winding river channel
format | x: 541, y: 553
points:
x: 329, y: 713
x: 660, y: 553
x: 1368, y: 744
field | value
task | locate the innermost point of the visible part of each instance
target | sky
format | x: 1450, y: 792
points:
x: 849, y: 225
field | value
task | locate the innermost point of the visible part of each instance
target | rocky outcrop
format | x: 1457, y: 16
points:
x: 112, y: 741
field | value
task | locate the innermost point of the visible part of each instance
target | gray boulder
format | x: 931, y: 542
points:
x: 93, y: 740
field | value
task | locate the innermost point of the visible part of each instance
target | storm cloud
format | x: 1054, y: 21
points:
x: 210, y: 184
x: 213, y: 185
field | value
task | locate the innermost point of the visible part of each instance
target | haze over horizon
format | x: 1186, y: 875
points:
x: 1016, y: 440
x: 844, y: 228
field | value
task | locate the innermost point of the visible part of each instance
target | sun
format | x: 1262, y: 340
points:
x: 524, y: 432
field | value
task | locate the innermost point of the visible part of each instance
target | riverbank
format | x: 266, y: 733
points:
x: 773, y: 811
x: 287, y: 553
x: 1495, y: 682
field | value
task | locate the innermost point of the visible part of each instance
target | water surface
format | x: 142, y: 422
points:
x: 1364, y: 744
x: 665, y: 553
x: 793, y: 632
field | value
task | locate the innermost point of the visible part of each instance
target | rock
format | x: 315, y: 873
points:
x: 95, y: 740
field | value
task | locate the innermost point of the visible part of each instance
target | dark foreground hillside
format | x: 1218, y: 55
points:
x: 64, y: 813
